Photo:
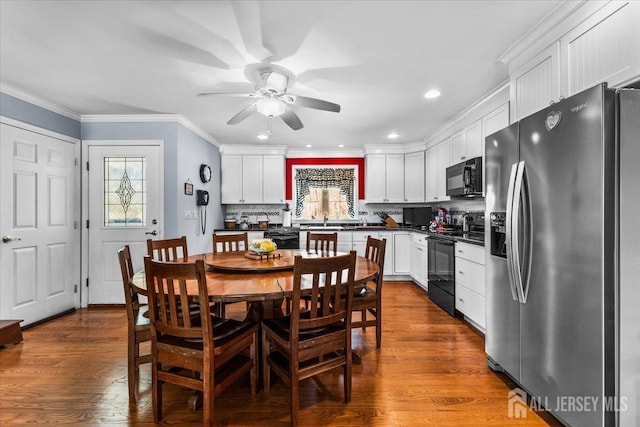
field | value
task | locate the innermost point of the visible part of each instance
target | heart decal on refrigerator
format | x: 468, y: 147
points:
x: 552, y: 120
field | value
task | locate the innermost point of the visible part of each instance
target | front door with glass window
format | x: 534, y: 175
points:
x: 125, y: 208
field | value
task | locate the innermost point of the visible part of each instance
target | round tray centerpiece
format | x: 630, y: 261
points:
x: 262, y: 246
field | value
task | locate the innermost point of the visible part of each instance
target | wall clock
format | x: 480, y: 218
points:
x: 205, y: 173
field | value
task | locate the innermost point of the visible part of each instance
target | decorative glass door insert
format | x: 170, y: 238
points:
x: 125, y: 196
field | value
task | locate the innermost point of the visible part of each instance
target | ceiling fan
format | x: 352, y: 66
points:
x: 272, y: 100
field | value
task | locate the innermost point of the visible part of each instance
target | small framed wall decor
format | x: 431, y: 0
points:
x: 188, y: 188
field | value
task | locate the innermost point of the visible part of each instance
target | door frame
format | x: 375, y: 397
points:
x: 77, y: 239
x: 86, y: 144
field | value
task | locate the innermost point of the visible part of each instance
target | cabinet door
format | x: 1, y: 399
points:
x: 458, y: 147
x: 395, y: 178
x: 496, y: 120
x: 444, y: 161
x: 401, y: 253
x: 231, y: 179
x: 474, y: 143
x: 603, y: 48
x: 536, y: 83
x: 431, y: 175
x: 414, y: 177
x: 273, y: 179
x: 375, y: 178
x: 388, y: 252
x: 252, y: 179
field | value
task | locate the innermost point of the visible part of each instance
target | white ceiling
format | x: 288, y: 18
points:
x: 374, y: 58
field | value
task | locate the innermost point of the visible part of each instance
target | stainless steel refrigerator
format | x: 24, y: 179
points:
x: 563, y: 265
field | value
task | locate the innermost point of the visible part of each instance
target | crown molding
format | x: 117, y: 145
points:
x: 492, y: 100
x: 301, y: 153
x: 11, y: 91
x: 253, y: 149
x: 149, y: 118
x: 545, y: 32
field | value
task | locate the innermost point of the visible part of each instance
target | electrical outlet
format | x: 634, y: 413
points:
x: 187, y: 214
x: 195, y: 214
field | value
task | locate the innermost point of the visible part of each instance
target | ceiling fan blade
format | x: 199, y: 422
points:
x: 242, y: 95
x: 242, y: 114
x: 291, y: 119
x: 318, y: 104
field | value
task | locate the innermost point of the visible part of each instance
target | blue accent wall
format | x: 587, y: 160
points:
x: 26, y: 112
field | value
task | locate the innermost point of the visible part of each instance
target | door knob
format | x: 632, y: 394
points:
x: 153, y: 233
x: 7, y: 239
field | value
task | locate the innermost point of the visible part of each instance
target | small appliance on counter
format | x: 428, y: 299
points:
x: 230, y: 222
x: 286, y: 216
x: 244, y: 222
x: 263, y: 221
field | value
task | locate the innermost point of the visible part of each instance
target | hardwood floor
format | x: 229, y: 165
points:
x: 431, y: 370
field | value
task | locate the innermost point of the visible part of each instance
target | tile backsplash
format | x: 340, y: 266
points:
x: 366, y: 211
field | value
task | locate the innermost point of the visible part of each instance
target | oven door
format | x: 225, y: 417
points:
x: 441, y: 273
x: 441, y: 269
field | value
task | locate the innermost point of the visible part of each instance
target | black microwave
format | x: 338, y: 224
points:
x: 465, y: 179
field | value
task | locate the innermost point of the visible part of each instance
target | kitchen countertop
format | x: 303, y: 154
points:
x: 464, y: 238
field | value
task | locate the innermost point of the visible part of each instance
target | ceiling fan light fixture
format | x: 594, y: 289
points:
x: 263, y: 137
x: 393, y: 135
x: 270, y: 107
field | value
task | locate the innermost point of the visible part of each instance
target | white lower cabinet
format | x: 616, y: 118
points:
x: 401, y: 253
x: 470, y: 282
x: 418, y: 259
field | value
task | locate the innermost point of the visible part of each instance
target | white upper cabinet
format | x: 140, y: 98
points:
x: 583, y: 45
x: 603, y: 48
x: 467, y: 144
x: 231, y: 179
x: 444, y: 161
x: 252, y: 179
x: 536, y: 83
x: 273, y: 181
x: 437, y: 158
x: 414, y: 177
x: 496, y: 120
x: 385, y: 178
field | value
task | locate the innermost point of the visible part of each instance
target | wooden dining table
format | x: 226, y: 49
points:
x: 264, y: 282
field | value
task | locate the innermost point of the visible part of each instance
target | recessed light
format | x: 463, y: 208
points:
x: 340, y: 145
x: 262, y: 137
x: 308, y: 145
x: 393, y: 135
x: 433, y: 93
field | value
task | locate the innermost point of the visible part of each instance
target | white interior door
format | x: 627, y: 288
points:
x: 39, y: 265
x: 125, y: 208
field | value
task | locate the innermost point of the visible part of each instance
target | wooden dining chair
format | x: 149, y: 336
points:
x: 221, y: 350
x: 138, y: 329
x: 230, y: 243
x: 368, y: 300
x: 168, y: 249
x: 319, y: 242
x: 226, y: 243
x: 306, y: 343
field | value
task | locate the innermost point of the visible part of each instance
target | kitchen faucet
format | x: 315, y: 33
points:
x: 325, y: 220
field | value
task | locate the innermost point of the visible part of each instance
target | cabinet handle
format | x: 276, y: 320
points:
x: 461, y: 272
x: 463, y: 157
x: 460, y: 251
x: 461, y: 300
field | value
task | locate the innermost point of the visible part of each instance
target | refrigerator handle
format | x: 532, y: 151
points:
x: 527, y: 236
x: 515, y: 232
x: 509, y: 242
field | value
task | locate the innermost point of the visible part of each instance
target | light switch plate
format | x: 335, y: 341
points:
x: 187, y: 214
